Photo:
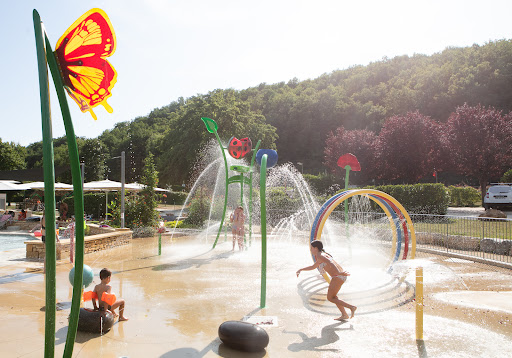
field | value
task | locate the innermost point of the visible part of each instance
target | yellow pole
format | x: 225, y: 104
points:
x: 419, y: 303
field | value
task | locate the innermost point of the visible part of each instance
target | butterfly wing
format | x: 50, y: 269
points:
x: 81, y: 53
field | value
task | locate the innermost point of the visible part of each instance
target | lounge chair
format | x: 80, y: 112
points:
x: 4, y: 220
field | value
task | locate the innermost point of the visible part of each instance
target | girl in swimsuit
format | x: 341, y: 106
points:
x: 237, y: 219
x: 326, y: 264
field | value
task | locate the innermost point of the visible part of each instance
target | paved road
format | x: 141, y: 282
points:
x: 474, y: 212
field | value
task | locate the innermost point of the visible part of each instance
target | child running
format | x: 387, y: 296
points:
x: 326, y: 263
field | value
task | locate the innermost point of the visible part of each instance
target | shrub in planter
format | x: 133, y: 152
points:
x: 144, y: 232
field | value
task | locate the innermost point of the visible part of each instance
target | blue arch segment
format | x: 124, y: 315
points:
x: 396, y: 220
x: 324, y: 207
x: 394, y: 216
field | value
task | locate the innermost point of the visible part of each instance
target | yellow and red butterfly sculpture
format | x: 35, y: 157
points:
x: 81, y: 53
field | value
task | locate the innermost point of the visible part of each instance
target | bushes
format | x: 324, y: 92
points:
x: 198, y: 211
x: 140, y: 210
x: 320, y: 183
x: 94, y: 204
x: 175, y: 197
x: 507, y: 177
x: 135, y: 212
x: 281, y: 203
x: 146, y: 231
x: 180, y: 225
x: 419, y: 198
x: 464, y: 196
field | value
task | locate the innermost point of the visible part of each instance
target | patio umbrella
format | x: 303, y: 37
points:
x: 137, y: 186
x: 39, y: 185
x: 110, y: 185
x: 104, y: 186
x: 10, y: 185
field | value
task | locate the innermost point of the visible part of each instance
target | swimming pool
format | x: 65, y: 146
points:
x: 11, y: 242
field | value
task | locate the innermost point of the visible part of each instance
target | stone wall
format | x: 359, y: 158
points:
x: 93, y: 243
x: 23, y: 225
x: 95, y: 229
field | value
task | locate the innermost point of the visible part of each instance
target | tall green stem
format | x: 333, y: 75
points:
x: 159, y: 244
x: 78, y: 200
x: 263, y: 184
x: 49, y: 190
x: 250, y: 190
x: 225, y: 196
x: 347, y: 174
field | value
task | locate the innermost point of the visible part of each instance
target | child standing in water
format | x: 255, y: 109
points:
x: 237, y: 219
x: 326, y: 264
x: 105, y: 276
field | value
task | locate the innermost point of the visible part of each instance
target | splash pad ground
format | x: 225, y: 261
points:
x: 177, y: 301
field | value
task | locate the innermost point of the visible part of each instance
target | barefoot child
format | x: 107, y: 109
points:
x: 237, y: 219
x: 105, y: 276
x: 326, y: 263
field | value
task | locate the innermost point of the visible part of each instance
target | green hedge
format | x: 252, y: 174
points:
x: 419, y: 198
x: 94, y: 204
x: 175, y: 197
x: 320, y: 183
x: 181, y: 224
x: 464, y: 196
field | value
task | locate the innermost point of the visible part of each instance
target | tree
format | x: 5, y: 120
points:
x: 12, y: 156
x: 187, y: 136
x: 361, y: 143
x: 93, y: 153
x: 148, y: 213
x: 507, y: 177
x: 479, y: 141
x: 408, y: 148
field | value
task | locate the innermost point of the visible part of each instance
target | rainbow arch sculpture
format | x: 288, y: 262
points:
x: 400, y: 222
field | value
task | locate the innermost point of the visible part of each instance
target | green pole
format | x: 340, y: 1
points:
x: 226, y: 234
x: 211, y: 126
x: 263, y: 183
x: 159, y: 244
x: 49, y: 191
x: 225, y: 196
x: 250, y: 189
x: 242, y: 189
x: 242, y: 201
x: 77, y: 198
x: 347, y: 233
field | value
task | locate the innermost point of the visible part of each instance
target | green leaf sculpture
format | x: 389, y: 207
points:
x: 210, y: 124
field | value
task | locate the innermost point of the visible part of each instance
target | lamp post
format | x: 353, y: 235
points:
x: 301, y: 167
x: 82, y: 167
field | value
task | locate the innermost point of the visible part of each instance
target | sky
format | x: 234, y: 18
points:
x: 181, y: 48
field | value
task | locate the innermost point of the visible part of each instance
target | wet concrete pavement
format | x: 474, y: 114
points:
x: 177, y: 301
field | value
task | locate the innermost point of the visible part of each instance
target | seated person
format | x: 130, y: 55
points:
x: 105, y: 276
x: 22, y: 215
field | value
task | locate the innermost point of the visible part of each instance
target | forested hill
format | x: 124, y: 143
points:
x: 295, y: 117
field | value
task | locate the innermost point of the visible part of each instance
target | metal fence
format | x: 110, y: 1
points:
x: 459, y: 236
x: 472, y: 237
